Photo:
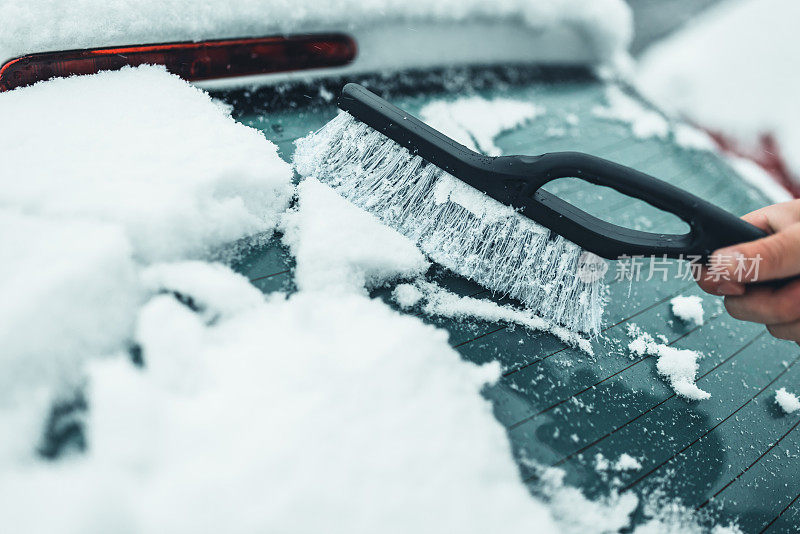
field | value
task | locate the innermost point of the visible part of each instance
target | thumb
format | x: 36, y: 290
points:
x: 773, y: 257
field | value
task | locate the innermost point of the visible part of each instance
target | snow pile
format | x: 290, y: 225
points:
x: 475, y: 122
x: 102, y: 174
x: 577, y: 515
x: 212, y: 397
x: 213, y: 288
x: 29, y: 25
x: 787, y: 401
x: 677, y: 366
x: 688, y: 309
x: 340, y: 246
x: 324, y: 401
x: 145, y: 151
x: 729, y: 70
x: 442, y: 303
x: 69, y: 294
x: 621, y: 107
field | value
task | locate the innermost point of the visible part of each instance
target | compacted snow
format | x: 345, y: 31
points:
x: 732, y: 70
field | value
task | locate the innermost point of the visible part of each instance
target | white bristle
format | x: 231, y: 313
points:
x: 456, y: 225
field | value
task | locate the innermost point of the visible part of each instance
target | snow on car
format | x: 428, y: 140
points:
x: 193, y: 341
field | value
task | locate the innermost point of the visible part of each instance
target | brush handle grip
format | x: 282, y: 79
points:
x: 711, y: 227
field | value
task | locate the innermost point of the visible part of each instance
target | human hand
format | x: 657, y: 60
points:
x: 777, y: 306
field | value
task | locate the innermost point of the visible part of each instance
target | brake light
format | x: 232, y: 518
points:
x: 192, y: 61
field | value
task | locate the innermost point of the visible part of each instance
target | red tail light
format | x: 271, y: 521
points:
x: 193, y: 61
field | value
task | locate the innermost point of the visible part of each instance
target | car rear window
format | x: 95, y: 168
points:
x: 560, y: 406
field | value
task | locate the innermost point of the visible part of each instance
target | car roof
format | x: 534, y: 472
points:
x: 732, y: 456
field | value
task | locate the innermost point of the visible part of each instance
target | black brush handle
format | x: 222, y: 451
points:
x: 517, y: 181
x: 710, y: 227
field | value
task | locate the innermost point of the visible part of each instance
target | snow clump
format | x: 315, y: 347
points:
x: 677, y: 366
x: 688, y: 309
x: 787, y: 401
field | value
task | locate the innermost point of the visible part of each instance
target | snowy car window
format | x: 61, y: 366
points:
x: 670, y: 365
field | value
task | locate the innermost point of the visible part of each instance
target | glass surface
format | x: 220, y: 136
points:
x: 733, y: 455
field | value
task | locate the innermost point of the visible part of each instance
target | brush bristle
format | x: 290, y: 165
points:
x: 456, y: 225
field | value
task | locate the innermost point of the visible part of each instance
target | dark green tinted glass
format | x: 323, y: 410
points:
x: 734, y: 455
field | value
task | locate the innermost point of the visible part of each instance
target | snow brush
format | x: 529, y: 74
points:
x: 488, y: 219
